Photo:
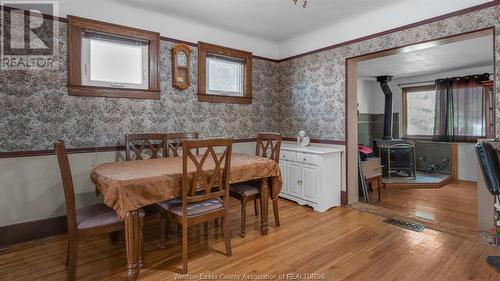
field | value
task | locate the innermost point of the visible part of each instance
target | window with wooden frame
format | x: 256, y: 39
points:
x: 224, y: 74
x: 419, y: 108
x: 109, y: 60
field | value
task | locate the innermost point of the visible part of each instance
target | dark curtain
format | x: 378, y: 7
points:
x: 460, y: 108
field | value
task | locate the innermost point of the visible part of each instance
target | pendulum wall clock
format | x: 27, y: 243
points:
x: 181, y: 66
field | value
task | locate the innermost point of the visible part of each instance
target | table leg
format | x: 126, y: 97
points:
x: 132, y: 225
x: 379, y: 186
x: 264, y: 205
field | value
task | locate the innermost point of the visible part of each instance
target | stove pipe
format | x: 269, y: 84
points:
x: 388, y: 105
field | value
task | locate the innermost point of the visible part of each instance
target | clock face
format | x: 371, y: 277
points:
x: 181, y: 59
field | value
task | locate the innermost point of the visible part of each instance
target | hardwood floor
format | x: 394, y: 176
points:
x: 454, y: 204
x: 342, y: 244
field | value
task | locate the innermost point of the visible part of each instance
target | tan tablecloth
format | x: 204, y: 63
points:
x: 127, y: 186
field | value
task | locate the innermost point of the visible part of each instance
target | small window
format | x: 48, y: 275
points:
x: 110, y: 60
x: 225, y: 75
x: 420, y: 111
x: 114, y: 61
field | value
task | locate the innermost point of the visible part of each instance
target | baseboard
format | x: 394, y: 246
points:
x: 32, y: 230
x: 465, y: 182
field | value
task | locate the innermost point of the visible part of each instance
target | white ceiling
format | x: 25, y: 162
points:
x: 452, y: 56
x: 280, y: 20
x: 269, y: 28
x: 274, y: 20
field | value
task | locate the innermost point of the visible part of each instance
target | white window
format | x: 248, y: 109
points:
x: 114, y: 61
x: 224, y: 75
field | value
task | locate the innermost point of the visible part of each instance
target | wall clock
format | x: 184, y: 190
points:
x: 181, y: 66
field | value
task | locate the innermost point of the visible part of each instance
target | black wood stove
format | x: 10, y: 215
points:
x: 396, y: 155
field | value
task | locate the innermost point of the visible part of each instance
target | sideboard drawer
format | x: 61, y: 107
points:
x: 308, y: 158
x: 288, y: 155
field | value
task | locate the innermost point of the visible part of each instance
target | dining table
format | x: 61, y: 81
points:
x: 130, y: 185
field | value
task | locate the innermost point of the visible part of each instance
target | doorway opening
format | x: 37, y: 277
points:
x: 410, y: 167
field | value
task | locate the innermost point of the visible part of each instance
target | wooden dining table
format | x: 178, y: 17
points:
x: 130, y: 185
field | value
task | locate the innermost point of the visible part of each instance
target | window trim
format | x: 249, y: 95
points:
x: 406, y: 91
x: 76, y: 25
x: 490, y: 132
x: 203, y: 96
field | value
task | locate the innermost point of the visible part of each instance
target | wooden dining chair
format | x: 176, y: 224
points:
x: 205, y: 189
x: 268, y: 145
x: 139, y: 144
x: 91, y: 220
x: 173, y: 142
x: 145, y: 146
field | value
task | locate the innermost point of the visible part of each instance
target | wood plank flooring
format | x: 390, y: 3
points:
x: 454, y: 204
x: 341, y: 244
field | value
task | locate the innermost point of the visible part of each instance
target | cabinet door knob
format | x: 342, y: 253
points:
x: 304, y: 159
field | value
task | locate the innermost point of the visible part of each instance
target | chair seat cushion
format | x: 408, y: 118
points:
x: 175, y: 206
x: 245, y: 189
x: 97, y: 215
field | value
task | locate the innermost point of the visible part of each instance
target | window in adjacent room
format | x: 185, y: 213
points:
x: 453, y: 110
x: 420, y: 103
x: 225, y: 75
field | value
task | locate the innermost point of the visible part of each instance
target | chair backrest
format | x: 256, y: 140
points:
x: 211, y: 176
x: 174, y: 141
x: 156, y: 144
x: 269, y: 146
x: 490, y: 166
x: 67, y: 181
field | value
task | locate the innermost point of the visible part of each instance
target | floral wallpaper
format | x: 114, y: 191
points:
x: 302, y: 93
x: 36, y: 109
x: 313, y: 86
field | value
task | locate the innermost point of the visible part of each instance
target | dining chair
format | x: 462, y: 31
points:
x: 139, y: 144
x: 91, y: 220
x: 145, y: 146
x: 268, y: 145
x: 173, y: 143
x: 204, y: 188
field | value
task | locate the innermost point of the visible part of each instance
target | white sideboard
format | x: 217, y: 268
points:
x: 311, y: 175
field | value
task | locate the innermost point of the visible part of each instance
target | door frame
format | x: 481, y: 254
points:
x: 351, y: 95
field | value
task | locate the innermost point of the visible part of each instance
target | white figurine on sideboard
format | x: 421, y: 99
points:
x: 303, y: 139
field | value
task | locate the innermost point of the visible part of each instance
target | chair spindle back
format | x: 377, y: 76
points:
x: 140, y: 143
x: 207, y: 182
x: 174, y: 141
x: 269, y: 146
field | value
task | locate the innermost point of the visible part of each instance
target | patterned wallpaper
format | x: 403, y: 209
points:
x: 302, y: 93
x: 313, y: 86
x: 35, y: 109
